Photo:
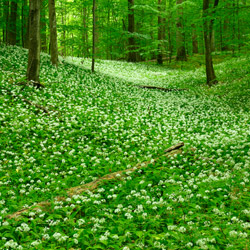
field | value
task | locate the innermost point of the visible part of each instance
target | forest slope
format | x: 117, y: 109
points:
x: 100, y: 123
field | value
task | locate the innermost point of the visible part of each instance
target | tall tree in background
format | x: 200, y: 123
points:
x: 85, y: 36
x: 94, y: 36
x: 170, y: 46
x: 161, y: 30
x: 43, y: 26
x: 6, y: 19
x: 194, y: 40
x: 12, y: 24
x: 25, y: 24
x: 131, y: 30
x: 53, y: 33
x: 208, y: 30
x: 180, y: 41
x: 34, y: 41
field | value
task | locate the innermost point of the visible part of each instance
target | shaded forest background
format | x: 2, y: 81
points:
x: 162, y: 29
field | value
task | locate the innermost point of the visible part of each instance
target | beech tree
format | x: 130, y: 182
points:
x: 53, y: 33
x: 43, y: 26
x: 34, y: 41
x: 161, y: 30
x: 12, y: 24
x: 25, y: 24
x: 208, y: 31
x: 6, y: 20
x: 180, y: 42
x: 94, y: 36
x: 131, y: 30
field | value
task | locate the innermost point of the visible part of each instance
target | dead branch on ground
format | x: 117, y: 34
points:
x: 176, y: 149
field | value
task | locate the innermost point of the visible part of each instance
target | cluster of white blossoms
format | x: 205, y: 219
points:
x: 99, y: 125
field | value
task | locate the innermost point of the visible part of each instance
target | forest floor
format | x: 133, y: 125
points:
x: 95, y: 124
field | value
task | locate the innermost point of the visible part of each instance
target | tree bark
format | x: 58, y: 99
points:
x: 94, y: 36
x: 208, y: 28
x: 63, y: 39
x: 194, y: 40
x: 85, y: 38
x: 131, y: 31
x: 170, y: 152
x: 43, y: 26
x: 170, y: 46
x: 225, y: 31
x: 25, y: 24
x: 34, y: 41
x: 161, y: 30
x: 6, y: 18
x: 12, y: 27
x: 180, y: 41
x: 53, y: 33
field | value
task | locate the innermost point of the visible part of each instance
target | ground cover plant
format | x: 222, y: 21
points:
x: 100, y: 123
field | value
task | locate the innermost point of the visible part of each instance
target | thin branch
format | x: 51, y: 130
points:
x: 96, y: 183
x: 159, y: 88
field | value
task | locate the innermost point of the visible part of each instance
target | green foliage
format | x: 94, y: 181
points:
x: 98, y: 124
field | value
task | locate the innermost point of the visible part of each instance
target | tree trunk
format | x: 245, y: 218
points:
x: 194, y: 40
x: 85, y: 38
x: 6, y: 18
x: 225, y: 31
x: 34, y: 41
x: 213, y: 41
x: 43, y: 26
x: 96, y: 29
x: 131, y: 30
x: 170, y: 46
x: 25, y: 25
x: 180, y: 41
x: 12, y: 27
x: 208, y: 28
x: 94, y: 36
x: 63, y: 39
x: 161, y: 30
x: 53, y: 33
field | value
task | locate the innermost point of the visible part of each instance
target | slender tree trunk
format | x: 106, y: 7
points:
x: 6, y: 18
x: 96, y: 29
x: 180, y: 41
x: 2, y: 23
x: 63, y: 40
x: 208, y: 27
x: 234, y: 28
x: 12, y: 27
x: 85, y: 38
x: 109, y: 45
x: 161, y: 30
x: 194, y: 40
x: 238, y: 24
x: 213, y: 40
x: 34, y: 41
x: 225, y: 30
x: 43, y: 26
x: 170, y: 46
x: 131, y: 30
x: 94, y: 36
x: 25, y: 24
x: 53, y: 33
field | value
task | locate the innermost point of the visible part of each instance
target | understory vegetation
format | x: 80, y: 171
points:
x: 93, y: 124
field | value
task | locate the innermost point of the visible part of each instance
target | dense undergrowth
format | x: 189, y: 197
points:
x: 100, y: 123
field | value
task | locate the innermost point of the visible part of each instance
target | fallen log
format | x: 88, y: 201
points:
x: 159, y: 88
x: 36, y: 105
x: 177, y: 146
x: 176, y: 149
x: 45, y: 110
